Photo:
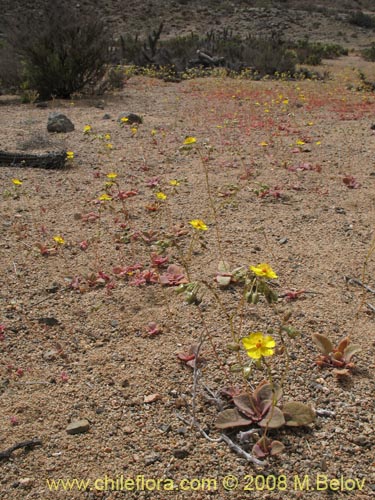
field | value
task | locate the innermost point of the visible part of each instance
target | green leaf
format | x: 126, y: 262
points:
x: 323, y: 343
x: 298, y: 414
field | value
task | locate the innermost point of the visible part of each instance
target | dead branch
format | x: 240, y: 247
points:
x: 28, y: 445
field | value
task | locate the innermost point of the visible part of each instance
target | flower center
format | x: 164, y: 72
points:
x: 259, y: 345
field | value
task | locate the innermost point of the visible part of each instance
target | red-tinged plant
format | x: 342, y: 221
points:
x: 83, y: 245
x: 128, y: 270
x: 45, y: 250
x: 191, y: 357
x: 148, y: 276
x: 173, y: 276
x: 64, y: 377
x: 14, y: 421
x: 290, y: 295
x: 337, y: 357
x: 90, y: 217
x: 155, y: 181
x: 265, y: 447
x: 351, y: 182
x: 153, y: 329
x: 123, y: 195
x: 259, y: 407
x: 158, y: 260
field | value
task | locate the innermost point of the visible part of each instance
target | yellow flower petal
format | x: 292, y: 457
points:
x: 198, y: 224
x: 17, y: 182
x: 104, y: 197
x: 190, y: 140
x: 257, y: 345
x: 264, y: 270
x: 59, y: 240
x: 161, y: 196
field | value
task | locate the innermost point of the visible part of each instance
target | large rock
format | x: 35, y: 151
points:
x: 57, y: 122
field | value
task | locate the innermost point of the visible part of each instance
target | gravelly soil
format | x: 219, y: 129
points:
x: 97, y: 360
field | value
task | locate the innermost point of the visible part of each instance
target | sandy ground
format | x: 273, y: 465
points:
x: 277, y: 156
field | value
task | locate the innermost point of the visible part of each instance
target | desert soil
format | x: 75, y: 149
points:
x: 95, y: 359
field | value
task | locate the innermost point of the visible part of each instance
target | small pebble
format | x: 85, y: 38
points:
x: 78, y: 427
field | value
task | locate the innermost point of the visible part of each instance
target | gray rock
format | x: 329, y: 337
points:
x: 59, y: 123
x: 78, y: 426
x: 106, y: 116
x: 180, y: 453
x: 151, y: 459
x: 131, y: 118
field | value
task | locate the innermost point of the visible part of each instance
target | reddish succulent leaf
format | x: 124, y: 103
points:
x: 298, y: 414
x: 323, y: 343
x: 247, y: 405
x: 350, y: 350
x: 274, y: 419
x: 351, y: 182
x: 228, y: 419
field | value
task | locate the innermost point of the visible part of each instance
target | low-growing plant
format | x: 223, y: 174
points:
x: 337, y: 357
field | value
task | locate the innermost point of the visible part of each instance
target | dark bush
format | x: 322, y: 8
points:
x: 266, y: 56
x: 369, y: 53
x: 361, y: 19
x: 62, y: 51
x: 313, y: 52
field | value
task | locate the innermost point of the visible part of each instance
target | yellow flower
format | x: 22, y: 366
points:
x: 161, y: 196
x: 264, y: 270
x: 198, y: 224
x: 109, y: 145
x: 59, y: 240
x: 124, y: 119
x: 111, y: 175
x: 105, y: 197
x: 189, y: 140
x: 107, y: 137
x: 318, y: 143
x: 299, y: 142
x: 174, y: 182
x: 134, y: 130
x: 87, y: 129
x: 153, y: 132
x: 69, y: 155
x: 258, y: 345
x: 16, y: 182
x: 286, y: 101
x: 263, y: 143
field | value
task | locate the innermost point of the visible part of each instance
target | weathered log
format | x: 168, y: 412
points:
x: 49, y: 160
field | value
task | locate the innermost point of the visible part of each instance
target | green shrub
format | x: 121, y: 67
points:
x: 361, y: 19
x: 313, y: 52
x: 369, y: 53
x: 266, y: 56
x: 62, y: 51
